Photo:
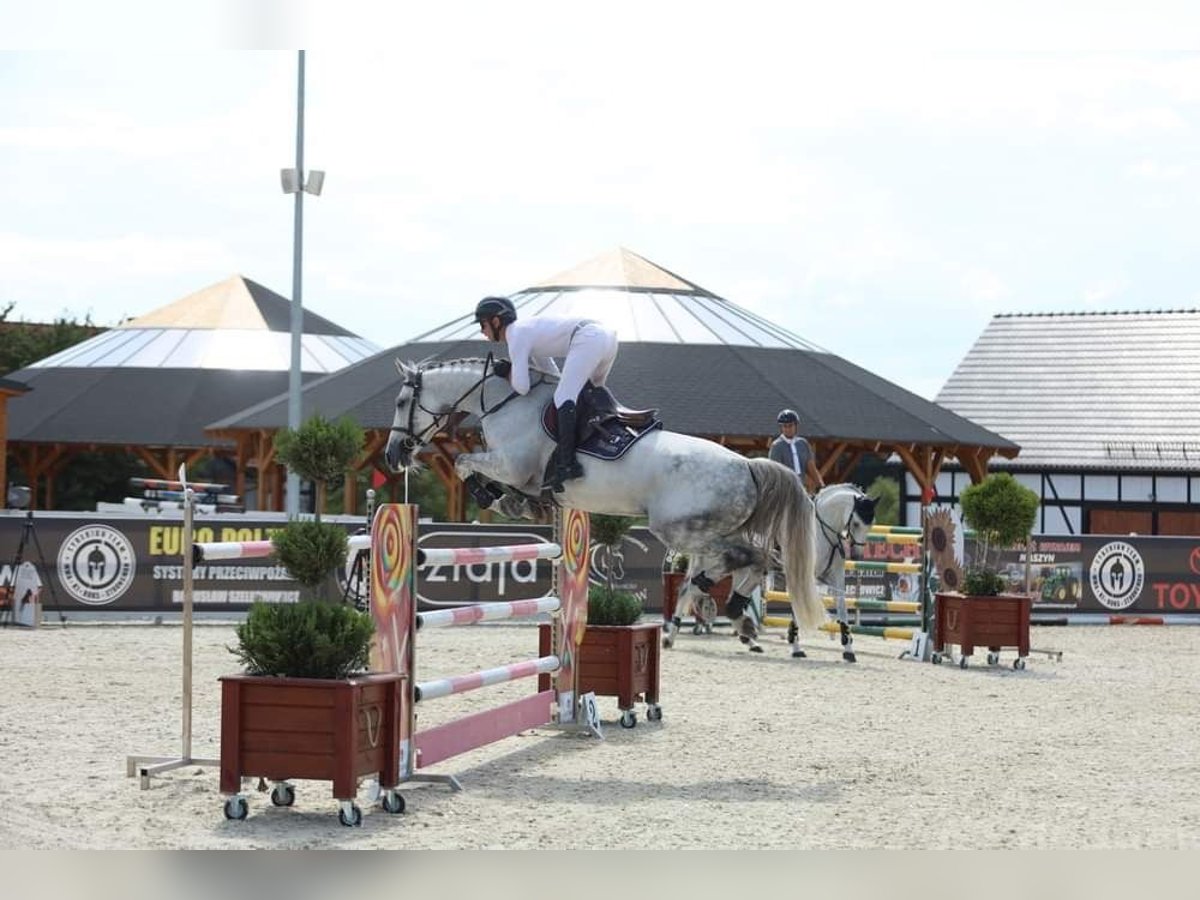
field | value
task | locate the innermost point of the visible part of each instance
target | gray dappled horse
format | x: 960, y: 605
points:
x: 698, y: 496
x: 845, y: 515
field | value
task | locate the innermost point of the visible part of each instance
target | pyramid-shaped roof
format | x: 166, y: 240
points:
x: 711, y: 368
x: 644, y: 303
x: 233, y: 324
x: 158, y: 379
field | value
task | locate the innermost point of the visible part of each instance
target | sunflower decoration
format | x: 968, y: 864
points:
x: 943, y: 544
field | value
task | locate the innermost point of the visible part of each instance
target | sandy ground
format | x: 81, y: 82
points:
x: 1098, y: 750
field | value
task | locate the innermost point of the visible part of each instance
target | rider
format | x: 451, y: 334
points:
x: 793, y: 451
x: 589, y: 349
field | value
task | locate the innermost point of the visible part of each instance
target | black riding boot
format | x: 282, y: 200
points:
x: 567, y: 466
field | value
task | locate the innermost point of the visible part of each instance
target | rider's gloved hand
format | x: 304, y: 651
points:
x: 502, y: 367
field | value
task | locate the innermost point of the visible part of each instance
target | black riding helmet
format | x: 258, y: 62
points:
x: 496, y: 306
x: 788, y: 417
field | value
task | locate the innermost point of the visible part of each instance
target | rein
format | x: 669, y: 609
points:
x: 412, y: 439
x: 834, y: 538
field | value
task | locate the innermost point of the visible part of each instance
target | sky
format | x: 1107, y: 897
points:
x: 880, y: 179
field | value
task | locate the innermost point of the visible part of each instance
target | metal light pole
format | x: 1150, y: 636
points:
x: 294, y: 182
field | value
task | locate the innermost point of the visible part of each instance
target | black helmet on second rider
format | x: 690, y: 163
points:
x: 500, y: 307
x: 788, y: 417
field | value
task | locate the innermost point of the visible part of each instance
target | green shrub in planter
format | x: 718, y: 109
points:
x: 1001, y: 511
x: 310, y: 551
x: 304, y: 640
x: 607, y: 607
x: 319, y: 451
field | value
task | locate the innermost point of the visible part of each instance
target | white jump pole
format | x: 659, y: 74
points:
x: 146, y: 766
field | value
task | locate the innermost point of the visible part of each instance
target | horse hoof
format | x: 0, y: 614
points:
x: 743, y: 639
x: 799, y: 654
x: 849, y: 656
x: 756, y: 649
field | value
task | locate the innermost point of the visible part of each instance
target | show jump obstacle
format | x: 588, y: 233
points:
x: 395, y: 561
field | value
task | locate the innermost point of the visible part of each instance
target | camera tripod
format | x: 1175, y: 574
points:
x: 28, y: 536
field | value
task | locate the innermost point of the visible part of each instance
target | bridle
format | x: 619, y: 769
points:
x: 835, y: 537
x: 411, y: 439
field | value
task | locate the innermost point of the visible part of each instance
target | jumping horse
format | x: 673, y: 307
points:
x: 697, y: 496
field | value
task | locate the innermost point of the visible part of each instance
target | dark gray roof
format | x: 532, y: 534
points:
x: 7, y: 384
x: 1087, y: 390
x: 146, y: 407
x: 700, y: 389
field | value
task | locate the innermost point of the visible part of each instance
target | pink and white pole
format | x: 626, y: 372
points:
x: 205, y: 552
x: 460, y: 684
x: 487, y: 612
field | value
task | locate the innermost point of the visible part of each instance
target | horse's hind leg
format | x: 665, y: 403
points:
x: 740, y: 610
x: 748, y: 564
x: 793, y: 637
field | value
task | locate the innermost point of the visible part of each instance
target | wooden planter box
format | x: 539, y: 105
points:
x: 993, y: 622
x: 329, y: 730
x: 619, y: 661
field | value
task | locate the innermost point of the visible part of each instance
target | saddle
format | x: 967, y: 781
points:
x: 604, y: 429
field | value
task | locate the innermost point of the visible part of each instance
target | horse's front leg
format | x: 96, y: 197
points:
x: 472, y: 468
x: 838, y: 585
x: 683, y: 605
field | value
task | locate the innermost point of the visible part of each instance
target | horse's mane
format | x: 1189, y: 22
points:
x: 469, y: 362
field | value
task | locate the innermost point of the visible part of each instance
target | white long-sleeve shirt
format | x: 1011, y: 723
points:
x: 536, y: 341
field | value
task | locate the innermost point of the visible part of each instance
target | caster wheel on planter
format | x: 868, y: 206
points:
x: 993, y: 659
x: 1019, y: 663
x: 392, y: 802
x: 654, y: 713
x: 628, y: 718
x: 936, y: 659
x: 350, y: 815
x: 236, y: 808
x: 962, y: 662
x: 283, y: 795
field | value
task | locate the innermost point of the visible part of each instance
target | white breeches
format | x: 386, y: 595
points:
x: 590, y: 357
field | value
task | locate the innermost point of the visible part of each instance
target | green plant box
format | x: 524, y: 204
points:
x: 972, y: 621
x: 323, y: 729
x: 619, y: 661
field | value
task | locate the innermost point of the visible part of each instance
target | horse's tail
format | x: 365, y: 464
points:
x: 785, y: 515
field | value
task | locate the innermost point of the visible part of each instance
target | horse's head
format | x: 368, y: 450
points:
x: 430, y: 399
x: 845, y: 510
x: 862, y: 517
x: 411, y: 423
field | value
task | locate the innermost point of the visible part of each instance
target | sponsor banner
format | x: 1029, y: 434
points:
x: 1108, y: 574
x: 135, y: 565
